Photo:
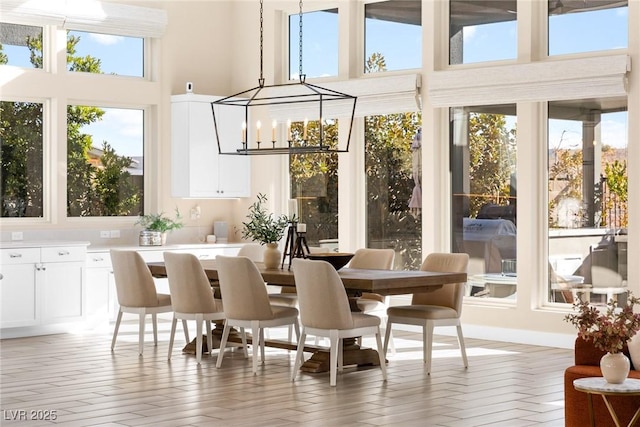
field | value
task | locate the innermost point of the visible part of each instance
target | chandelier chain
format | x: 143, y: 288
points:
x: 301, y: 76
x: 261, y: 80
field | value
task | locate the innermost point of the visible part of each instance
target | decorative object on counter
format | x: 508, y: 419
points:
x: 266, y: 229
x: 290, y: 242
x: 609, y: 330
x: 211, y: 238
x: 156, y: 227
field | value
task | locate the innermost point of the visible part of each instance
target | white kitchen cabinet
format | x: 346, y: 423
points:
x: 18, y: 303
x: 101, y: 300
x: 42, y: 286
x: 198, y: 170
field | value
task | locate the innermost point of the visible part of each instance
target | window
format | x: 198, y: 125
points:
x: 314, y: 183
x: 393, y: 35
x: 482, y: 31
x: 576, y: 27
x: 21, y: 153
x: 319, y: 44
x: 587, y: 210
x: 393, y: 167
x: 483, y: 156
x: 105, y: 53
x: 104, y: 161
x: 20, y: 45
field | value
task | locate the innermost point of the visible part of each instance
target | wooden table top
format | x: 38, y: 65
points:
x: 383, y: 282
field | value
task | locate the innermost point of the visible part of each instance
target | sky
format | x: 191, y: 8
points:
x: 401, y: 46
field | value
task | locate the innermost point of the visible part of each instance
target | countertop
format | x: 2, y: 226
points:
x: 105, y: 248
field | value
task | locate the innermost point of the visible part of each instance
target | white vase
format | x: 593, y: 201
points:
x: 615, y: 367
x: 271, y: 256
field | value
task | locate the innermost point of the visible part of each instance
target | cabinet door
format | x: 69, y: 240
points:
x: 62, y: 292
x: 234, y: 178
x: 18, y: 304
x: 101, y: 302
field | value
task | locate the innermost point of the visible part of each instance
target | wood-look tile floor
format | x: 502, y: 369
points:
x: 77, y: 377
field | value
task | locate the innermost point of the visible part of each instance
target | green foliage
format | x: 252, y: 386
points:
x: 263, y: 227
x: 491, y: 160
x: 160, y: 222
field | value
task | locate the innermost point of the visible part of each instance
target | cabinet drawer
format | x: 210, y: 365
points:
x: 20, y: 256
x: 64, y: 254
x: 98, y: 260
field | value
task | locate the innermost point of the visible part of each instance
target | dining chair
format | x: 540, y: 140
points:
x: 325, y: 312
x: 372, y: 303
x: 137, y: 294
x: 440, y: 307
x: 247, y: 305
x: 192, y: 298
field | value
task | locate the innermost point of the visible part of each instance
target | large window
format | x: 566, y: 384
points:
x: 393, y: 167
x: 21, y: 153
x: 314, y: 183
x: 319, y: 44
x: 104, y: 161
x: 588, y: 212
x: 484, y: 222
x: 588, y: 26
x: 393, y: 34
x: 482, y: 31
x: 105, y: 53
x: 20, y: 45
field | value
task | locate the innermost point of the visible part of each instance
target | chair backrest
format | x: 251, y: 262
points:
x: 450, y: 295
x: 253, y: 251
x: 373, y: 259
x: 134, y: 284
x: 244, y: 293
x: 322, y: 299
x: 188, y: 284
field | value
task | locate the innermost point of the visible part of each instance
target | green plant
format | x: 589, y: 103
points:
x: 160, y: 222
x: 609, y: 330
x: 263, y: 227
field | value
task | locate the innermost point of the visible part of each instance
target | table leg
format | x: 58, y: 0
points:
x: 352, y: 354
x: 592, y: 418
x: 614, y: 416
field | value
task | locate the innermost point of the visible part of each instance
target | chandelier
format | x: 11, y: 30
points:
x: 302, y: 115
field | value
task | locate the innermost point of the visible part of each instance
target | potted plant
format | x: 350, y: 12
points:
x: 266, y: 229
x: 609, y: 329
x: 156, y: 226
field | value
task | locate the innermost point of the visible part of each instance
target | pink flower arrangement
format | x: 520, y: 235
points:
x: 610, y: 329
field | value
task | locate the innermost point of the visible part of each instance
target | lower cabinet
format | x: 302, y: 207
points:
x: 42, y: 287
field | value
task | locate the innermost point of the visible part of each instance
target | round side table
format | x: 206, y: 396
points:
x: 598, y: 385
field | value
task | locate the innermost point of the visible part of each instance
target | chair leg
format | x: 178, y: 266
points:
x: 209, y: 337
x: 262, y: 344
x: 115, y: 330
x: 463, y: 350
x: 297, y: 329
x: 154, y: 320
x: 340, y: 355
x: 185, y: 328
x: 256, y: 333
x: 383, y: 363
x: 427, y: 338
x: 333, y: 357
x: 299, y: 353
x: 243, y: 337
x: 198, y: 338
x: 387, y: 336
x: 223, y: 343
x: 172, y: 335
x: 141, y: 323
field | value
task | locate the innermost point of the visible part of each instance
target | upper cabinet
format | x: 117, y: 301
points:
x: 198, y: 170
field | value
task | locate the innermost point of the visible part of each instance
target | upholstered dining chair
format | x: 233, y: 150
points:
x: 192, y: 297
x: 325, y: 312
x: 137, y: 294
x: 440, y: 307
x: 246, y: 304
x: 372, y: 303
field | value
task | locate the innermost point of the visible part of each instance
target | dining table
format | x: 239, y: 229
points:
x: 356, y: 281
